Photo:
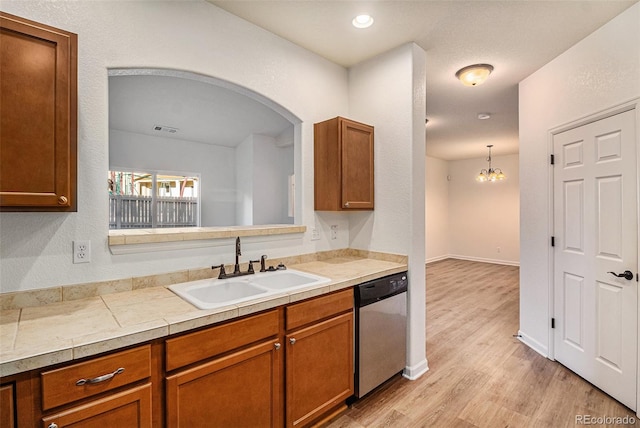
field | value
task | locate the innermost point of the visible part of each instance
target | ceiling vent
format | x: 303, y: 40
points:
x: 162, y: 128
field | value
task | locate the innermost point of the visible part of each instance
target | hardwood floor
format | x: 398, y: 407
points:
x: 479, y: 374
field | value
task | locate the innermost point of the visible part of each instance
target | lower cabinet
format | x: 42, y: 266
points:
x: 319, y: 369
x: 131, y: 408
x: 287, y: 367
x: 7, y: 406
x: 290, y: 366
x: 112, y: 390
x: 239, y: 390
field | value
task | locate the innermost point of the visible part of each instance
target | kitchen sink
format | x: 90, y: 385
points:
x: 214, y: 293
x: 284, y: 280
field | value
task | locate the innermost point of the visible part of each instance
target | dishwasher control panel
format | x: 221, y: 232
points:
x: 382, y: 288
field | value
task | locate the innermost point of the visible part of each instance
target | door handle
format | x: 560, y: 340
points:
x: 627, y: 274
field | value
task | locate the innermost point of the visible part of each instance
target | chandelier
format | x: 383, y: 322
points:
x: 491, y: 174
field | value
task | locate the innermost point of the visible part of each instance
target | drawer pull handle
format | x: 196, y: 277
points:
x: 99, y: 378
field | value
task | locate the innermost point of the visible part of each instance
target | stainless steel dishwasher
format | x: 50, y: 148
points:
x: 381, y: 331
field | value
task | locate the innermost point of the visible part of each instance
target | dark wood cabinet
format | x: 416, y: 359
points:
x: 38, y: 125
x: 343, y: 165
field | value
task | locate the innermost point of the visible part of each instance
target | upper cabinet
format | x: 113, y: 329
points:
x: 38, y: 126
x: 343, y: 165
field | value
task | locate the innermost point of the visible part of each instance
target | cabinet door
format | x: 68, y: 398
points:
x: 357, y: 165
x: 131, y: 408
x: 38, y: 128
x: 239, y: 390
x: 319, y: 369
x: 7, y: 407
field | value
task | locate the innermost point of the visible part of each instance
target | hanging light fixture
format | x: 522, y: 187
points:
x: 474, y: 75
x: 491, y: 174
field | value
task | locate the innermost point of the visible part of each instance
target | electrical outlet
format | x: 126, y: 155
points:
x: 334, y: 231
x: 315, y: 234
x: 81, y: 251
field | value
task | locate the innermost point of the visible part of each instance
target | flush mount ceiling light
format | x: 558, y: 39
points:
x: 491, y: 174
x: 474, y: 75
x: 362, y: 21
x: 484, y: 116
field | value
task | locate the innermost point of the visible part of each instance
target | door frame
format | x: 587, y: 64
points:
x: 633, y: 104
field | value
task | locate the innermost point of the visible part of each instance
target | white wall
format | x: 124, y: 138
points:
x: 598, y: 73
x: 193, y: 36
x: 272, y: 166
x: 460, y: 221
x: 244, y: 182
x: 484, y: 217
x: 388, y: 92
x: 437, y: 209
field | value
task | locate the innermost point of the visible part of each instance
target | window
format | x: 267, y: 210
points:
x: 140, y: 200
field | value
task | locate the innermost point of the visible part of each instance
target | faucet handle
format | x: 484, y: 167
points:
x: 222, y: 273
x: 251, y: 262
x: 263, y: 258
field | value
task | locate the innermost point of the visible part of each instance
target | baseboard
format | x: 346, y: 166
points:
x: 436, y: 259
x: 533, y: 344
x: 483, y: 260
x: 415, y: 371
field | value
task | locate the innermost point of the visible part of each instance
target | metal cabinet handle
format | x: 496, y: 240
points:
x: 277, y: 345
x: 62, y: 200
x: 627, y: 274
x: 292, y: 341
x: 346, y: 204
x: 99, y: 379
x: 53, y: 425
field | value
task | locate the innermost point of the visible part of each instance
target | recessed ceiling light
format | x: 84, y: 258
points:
x: 362, y: 21
x: 484, y: 116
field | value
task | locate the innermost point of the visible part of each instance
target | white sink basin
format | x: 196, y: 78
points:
x: 214, y: 293
x: 285, y: 280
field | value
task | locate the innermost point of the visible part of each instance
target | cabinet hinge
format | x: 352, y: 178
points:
x: 553, y: 160
x: 553, y: 241
x: 553, y: 323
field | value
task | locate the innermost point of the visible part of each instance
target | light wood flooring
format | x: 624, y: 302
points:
x: 479, y: 374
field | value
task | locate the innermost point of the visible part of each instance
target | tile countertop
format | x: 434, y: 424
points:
x: 36, y: 337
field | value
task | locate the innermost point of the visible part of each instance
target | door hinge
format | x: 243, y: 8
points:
x: 553, y: 323
x: 553, y: 241
x: 553, y: 160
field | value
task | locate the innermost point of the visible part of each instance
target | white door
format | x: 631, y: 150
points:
x: 596, y: 232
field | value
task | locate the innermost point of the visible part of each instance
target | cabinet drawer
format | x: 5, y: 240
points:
x: 130, y: 408
x: 200, y: 345
x: 319, y: 308
x: 64, y: 385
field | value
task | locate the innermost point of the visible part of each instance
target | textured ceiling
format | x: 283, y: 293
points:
x: 517, y: 37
